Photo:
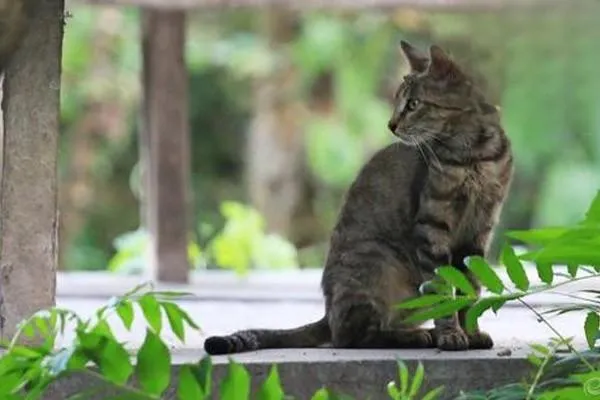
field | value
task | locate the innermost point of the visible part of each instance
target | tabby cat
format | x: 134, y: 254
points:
x: 430, y: 199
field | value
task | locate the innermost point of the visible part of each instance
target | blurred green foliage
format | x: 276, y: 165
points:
x: 355, y: 52
x: 242, y: 244
x: 539, y: 66
x: 132, y: 252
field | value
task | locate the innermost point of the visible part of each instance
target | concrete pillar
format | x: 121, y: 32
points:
x: 164, y: 143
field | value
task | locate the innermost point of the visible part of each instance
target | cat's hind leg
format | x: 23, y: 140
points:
x: 362, y: 300
x: 359, y: 325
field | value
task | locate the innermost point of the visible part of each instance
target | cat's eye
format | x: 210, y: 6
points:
x: 411, y: 104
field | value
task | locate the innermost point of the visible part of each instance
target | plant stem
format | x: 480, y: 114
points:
x: 557, y: 333
x: 539, y: 372
x: 576, y: 297
x: 552, y: 287
x: 548, y: 324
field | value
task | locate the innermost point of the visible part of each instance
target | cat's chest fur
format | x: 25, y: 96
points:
x: 476, y: 194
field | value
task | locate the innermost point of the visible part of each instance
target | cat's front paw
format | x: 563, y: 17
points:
x: 480, y: 341
x: 423, y: 339
x: 452, y: 340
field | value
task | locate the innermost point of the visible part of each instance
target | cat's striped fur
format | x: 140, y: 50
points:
x: 430, y: 199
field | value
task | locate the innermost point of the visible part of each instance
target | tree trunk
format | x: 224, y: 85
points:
x: 28, y: 189
x: 165, y: 144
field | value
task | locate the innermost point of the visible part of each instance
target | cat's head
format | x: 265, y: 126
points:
x: 436, y: 100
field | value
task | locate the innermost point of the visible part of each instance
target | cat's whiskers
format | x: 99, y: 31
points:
x: 434, y: 156
x: 425, y: 159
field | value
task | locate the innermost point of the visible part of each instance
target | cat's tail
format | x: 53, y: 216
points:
x: 311, y: 335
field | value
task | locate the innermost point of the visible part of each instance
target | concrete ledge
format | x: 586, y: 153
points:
x: 360, y: 373
x: 260, y: 286
x: 289, y: 285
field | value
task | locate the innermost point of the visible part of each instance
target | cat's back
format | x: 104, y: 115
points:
x: 387, y: 172
x: 380, y: 200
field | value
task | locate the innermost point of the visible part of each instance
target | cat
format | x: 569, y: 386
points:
x: 14, y: 19
x: 431, y: 198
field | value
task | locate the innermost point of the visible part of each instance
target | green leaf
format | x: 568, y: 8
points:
x: 110, y: 356
x: 440, y: 310
x: 545, y: 272
x: 27, y: 353
x: 542, y: 350
x: 42, y: 325
x: 496, y: 302
x: 417, y: 381
x: 582, y: 254
x: 131, y: 396
x: 573, y: 268
x: 78, y: 360
x: 565, y: 310
x: 189, y: 388
x: 271, y: 388
x: 514, y: 268
x: 535, y: 360
x: 321, y: 394
x: 203, y: 374
x: 475, y: 311
x: 12, y: 397
x: 137, y: 289
x: 457, y: 279
x: 175, y: 319
x: 188, y: 319
x: 102, y: 328
x: 393, y: 391
x: 433, y: 394
x: 12, y: 374
x: 86, y: 395
x: 436, y: 286
x: 337, y: 396
x: 151, y: 309
x: 593, y: 213
x: 423, y: 301
x: 26, y: 328
x: 591, y: 326
x: 403, y: 375
x: 125, y: 312
x: 538, y: 236
x: 153, y: 368
x: 236, y: 385
x: 485, y: 274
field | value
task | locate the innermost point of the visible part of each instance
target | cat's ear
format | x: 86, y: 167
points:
x: 442, y: 67
x: 417, y: 60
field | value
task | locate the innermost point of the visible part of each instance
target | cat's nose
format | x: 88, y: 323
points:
x: 392, y: 125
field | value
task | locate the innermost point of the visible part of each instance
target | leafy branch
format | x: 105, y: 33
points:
x: 576, y: 246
